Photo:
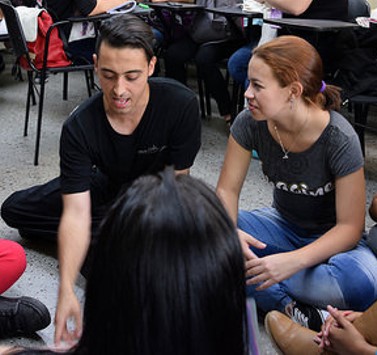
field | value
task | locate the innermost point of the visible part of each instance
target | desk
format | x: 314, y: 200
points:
x: 312, y: 24
x: 174, y: 8
x: 229, y: 12
x: 233, y: 11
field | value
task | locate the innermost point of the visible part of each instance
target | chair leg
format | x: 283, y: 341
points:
x: 65, y: 86
x: 39, y: 121
x: 361, y: 113
x: 30, y: 94
x: 88, y: 80
x: 201, y: 97
x: 208, y: 100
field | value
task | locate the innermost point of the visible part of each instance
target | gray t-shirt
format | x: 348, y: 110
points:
x: 304, y: 184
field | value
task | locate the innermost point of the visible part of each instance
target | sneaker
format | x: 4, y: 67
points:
x: 22, y: 315
x: 305, y: 315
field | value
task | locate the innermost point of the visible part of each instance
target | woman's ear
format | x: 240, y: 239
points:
x: 296, y: 89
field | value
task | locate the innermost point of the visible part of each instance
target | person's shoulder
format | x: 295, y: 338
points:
x: 339, y: 121
x: 167, y: 86
x: 91, y: 107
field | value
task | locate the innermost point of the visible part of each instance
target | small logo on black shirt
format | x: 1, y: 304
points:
x: 151, y: 150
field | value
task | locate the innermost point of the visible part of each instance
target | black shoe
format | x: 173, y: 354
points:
x: 22, y: 315
x: 305, y: 315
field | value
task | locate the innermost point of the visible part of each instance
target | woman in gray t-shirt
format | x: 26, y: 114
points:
x: 307, y: 250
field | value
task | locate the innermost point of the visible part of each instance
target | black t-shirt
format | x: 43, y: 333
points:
x: 324, y: 42
x: 168, y: 134
x: 62, y: 9
x: 325, y: 9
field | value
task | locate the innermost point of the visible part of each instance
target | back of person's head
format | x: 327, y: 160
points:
x: 168, y: 274
x: 126, y: 31
x: 293, y: 59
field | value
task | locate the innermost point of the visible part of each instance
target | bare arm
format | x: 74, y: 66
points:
x: 293, y: 7
x: 73, y: 239
x: 232, y: 176
x: 350, y: 213
x: 105, y: 5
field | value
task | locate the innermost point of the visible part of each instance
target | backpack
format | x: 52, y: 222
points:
x: 357, y: 65
x: 207, y: 26
x: 56, y: 54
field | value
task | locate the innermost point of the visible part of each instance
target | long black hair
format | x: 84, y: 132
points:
x: 168, y: 275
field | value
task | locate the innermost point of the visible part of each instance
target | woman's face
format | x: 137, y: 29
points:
x: 266, y: 98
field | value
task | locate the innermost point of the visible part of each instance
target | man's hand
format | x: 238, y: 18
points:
x: 68, y: 307
x: 246, y: 241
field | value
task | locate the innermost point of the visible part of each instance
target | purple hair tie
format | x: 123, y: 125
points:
x: 323, y: 87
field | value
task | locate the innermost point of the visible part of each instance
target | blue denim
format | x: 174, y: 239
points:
x: 238, y: 63
x: 347, y: 280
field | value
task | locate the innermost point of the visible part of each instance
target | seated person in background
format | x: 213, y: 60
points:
x: 308, y: 250
x: 206, y: 57
x: 136, y: 125
x: 167, y: 275
x: 20, y: 315
x: 61, y: 10
x: 314, y: 9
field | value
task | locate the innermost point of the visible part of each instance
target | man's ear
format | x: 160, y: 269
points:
x: 152, y: 65
x: 95, y: 61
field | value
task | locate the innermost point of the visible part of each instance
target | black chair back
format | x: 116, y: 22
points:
x: 16, y: 33
x: 358, y: 8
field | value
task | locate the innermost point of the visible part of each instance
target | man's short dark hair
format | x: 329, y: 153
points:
x: 126, y: 31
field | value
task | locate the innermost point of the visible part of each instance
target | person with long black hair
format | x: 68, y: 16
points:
x: 167, y: 275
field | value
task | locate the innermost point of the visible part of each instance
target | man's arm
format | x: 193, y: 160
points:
x: 73, y: 240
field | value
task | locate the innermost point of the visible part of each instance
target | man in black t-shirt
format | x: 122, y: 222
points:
x: 136, y: 125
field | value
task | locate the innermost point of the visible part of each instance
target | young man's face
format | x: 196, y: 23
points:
x: 123, y: 75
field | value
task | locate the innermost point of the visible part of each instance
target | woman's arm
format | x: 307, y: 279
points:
x: 350, y: 214
x: 350, y: 217
x: 232, y: 176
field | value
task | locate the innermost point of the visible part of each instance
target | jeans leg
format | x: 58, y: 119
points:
x: 35, y: 211
x: 347, y: 280
x: 176, y: 56
x: 238, y: 63
x: 207, y: 58
x: 267, y: 225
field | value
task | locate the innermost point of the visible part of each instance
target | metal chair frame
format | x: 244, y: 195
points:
x: 20, y: 49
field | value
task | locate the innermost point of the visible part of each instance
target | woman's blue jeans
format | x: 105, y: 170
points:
x: 347, y: 280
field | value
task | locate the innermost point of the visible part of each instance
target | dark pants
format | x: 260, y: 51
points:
x: 206, y: 56
x: 36, y: 211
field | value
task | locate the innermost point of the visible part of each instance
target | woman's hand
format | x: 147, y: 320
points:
x: 246, y: 241
x: 270, y: 269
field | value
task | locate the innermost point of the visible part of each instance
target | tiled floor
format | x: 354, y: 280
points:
x: 17, y: 171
